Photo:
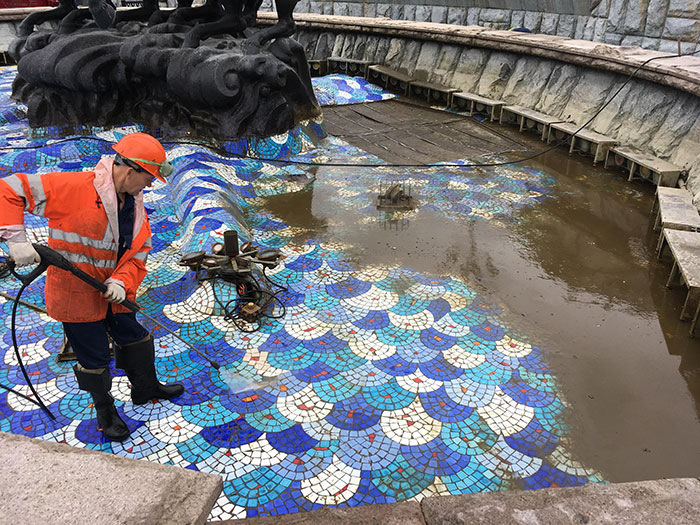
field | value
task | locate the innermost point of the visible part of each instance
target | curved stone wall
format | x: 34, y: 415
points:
x: 658, y: 112
x: 651, y: 24
x: 663, y: 120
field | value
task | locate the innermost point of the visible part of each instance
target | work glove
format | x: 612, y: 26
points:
x: 23, y: 253
x: 115, y: 293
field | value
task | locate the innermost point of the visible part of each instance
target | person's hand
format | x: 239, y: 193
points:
x: 115, y: 293
x: 23, y: 253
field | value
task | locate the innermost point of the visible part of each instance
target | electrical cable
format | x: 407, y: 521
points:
x: 248, y: 291
x: 484, y: 164
x: 4, y: 269
x: 38, y: 400
x: 231, y: 314
x: 213, y: 144
x: 10, y: 389
x: 273, y: 298
x: 267, y: 278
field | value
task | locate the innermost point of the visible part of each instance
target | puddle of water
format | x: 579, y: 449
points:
x: 576, y: 272
x: 614, y: 326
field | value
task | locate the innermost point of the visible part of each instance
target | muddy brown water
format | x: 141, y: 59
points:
x: 578, y: 274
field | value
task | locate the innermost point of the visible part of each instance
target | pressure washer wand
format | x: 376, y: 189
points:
x: 213, y: 363
x: 52, y: 257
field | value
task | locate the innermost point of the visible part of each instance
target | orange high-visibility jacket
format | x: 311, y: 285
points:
x: 82, y: 208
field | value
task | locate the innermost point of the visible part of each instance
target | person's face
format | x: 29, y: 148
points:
x: 137, y: 180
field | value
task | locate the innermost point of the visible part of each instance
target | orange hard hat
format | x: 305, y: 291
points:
x: 146, y: 151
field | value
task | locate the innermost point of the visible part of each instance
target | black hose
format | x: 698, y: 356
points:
x: 10, y: 389
x: 267, y: 278
x: 4, y: 269
x: 38, y: 400
x: 254, y: 293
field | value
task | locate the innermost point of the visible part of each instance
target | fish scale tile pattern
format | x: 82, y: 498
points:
x: 378, y: 384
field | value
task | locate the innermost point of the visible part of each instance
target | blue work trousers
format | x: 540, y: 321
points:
x: 89, y: 340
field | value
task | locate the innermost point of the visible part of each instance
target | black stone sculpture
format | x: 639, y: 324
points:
x: 204, y: 70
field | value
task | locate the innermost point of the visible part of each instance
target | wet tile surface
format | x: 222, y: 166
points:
x: 366, y: 384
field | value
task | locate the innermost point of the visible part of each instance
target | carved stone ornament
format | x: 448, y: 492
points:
x: 204, y: 70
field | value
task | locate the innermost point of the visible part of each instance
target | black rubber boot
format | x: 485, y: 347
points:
x: 99, y: 385
x: 138, y: 360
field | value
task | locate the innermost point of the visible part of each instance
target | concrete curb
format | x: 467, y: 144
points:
x: 645, y: 503
x: 45, y: 482
x: 407, y: 513
x: 42, y: 482
x: 680, y: 72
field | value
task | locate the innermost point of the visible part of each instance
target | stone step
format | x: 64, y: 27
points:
x: 389, y: 78
x: 639, y: 503
x: 43, y: 482
x: 348, y: 66
x: 477, y: 104
x: 582, y: 140
x: 527, y: 118
x: 644, y: 165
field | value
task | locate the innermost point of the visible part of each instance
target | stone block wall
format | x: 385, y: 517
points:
x: 651, y: 24
x: 659, y: 119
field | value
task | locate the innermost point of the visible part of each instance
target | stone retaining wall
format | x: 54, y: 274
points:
x: 659, y: 112
x: 656, y: 118
x: 651, y: 24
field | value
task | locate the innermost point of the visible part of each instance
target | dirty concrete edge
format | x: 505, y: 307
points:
x: 31, y: 458
x: 639, y: 502
x: 598, y: 55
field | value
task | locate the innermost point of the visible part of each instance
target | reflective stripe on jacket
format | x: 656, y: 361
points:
x: 82, y: 209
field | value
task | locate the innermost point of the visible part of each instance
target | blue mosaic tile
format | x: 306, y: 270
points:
x: 363, y: 404
x: 302, y: 466
x: 318, y: 371
x: 354, y: 414
x: 256, y: 488
x: 336, y: 389
x: 247, y: 401
x: 442, y: 408
x: 472, y: 478
x: 401, y: 480
x: 368, y: 450
x: 269, y: 420
x: 435, y: 458
x: 292, y: 440
x: 336, y: 90
x: 211, y: 412
x: 36, y: 423
x: 231, y: 434
x: 549, y: 476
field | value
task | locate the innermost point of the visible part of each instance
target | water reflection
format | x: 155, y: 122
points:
x: 576, y: 270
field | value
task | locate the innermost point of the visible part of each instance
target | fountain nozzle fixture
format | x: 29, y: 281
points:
x: 236, y: 264
x: 395, y: 198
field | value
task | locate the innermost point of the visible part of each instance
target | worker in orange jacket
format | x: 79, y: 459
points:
x: 98, y: 222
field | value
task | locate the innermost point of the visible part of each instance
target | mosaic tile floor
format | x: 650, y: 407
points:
x: 382, y: 383
x: 336, y: 90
